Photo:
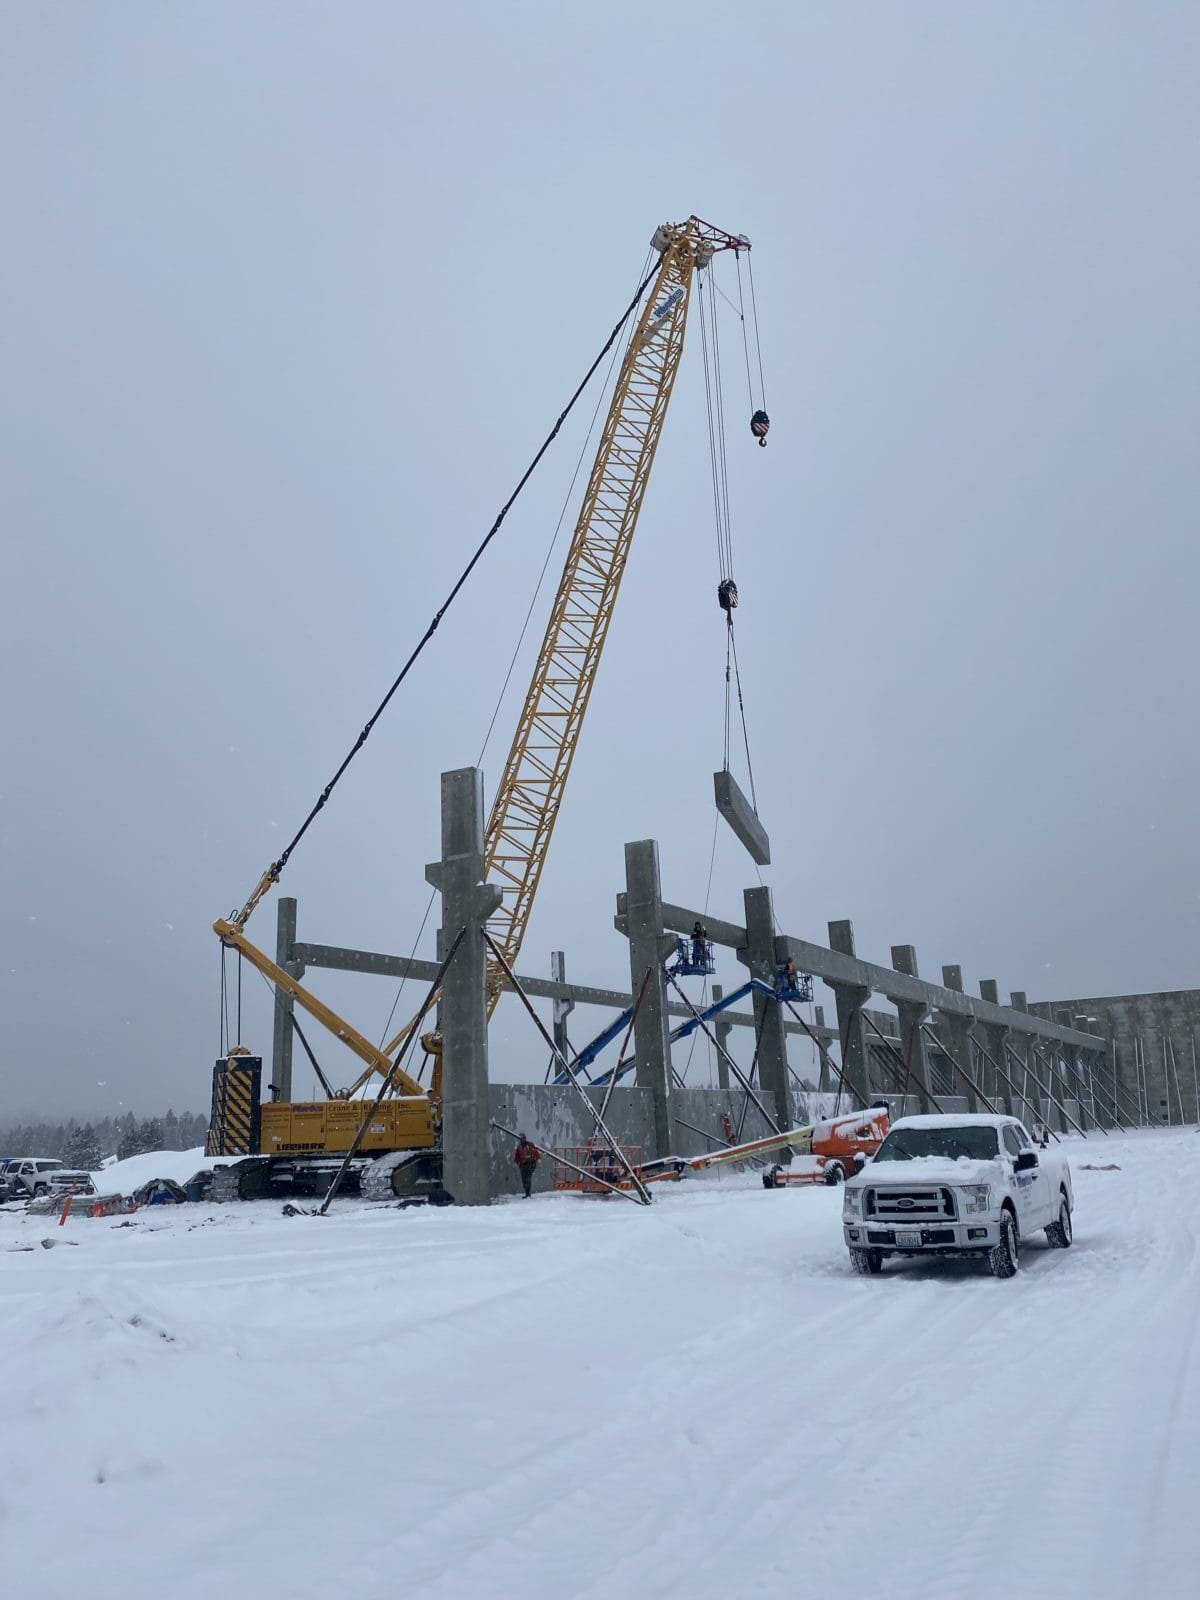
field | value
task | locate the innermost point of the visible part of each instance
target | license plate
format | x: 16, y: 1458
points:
x: 908, y: 1238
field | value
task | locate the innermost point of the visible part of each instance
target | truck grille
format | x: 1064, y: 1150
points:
x: 909, y: 1205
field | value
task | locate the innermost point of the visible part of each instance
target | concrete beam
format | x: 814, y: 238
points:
x: 834, y: 966
x: 743, y: 819
x: 337, y: 958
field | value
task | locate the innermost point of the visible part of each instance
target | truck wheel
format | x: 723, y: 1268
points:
x: 1005, y: 1257
x: 833, y: 1172
x: 867, y: 1262
x: 769, y: 1177
x: 1058, y: 1234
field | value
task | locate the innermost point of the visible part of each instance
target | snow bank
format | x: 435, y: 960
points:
x: 122, y: 1177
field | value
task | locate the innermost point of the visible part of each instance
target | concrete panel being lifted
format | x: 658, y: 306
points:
x: 742, y: 817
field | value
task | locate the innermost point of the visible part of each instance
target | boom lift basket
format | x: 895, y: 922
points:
x: 686, y: 964
x: 595, y: 1158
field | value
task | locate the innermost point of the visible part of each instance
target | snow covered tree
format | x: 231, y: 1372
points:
x: 82, y: 1148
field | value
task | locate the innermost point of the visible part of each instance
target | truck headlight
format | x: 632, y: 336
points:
x: 851, y: 1202
x: 978, y: 1197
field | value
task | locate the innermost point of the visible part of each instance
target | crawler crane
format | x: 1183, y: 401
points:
x: 297, y: 1145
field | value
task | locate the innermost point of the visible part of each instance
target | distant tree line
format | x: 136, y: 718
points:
x: 87, y: 1144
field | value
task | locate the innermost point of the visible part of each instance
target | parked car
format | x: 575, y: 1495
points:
x: 956, y: 1186
x: 30, y: 1175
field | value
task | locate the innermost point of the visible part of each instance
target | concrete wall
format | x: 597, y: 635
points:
x: 1152, y: 1027
x: 553, y: 1116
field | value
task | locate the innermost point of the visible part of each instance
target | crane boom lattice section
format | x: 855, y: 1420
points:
x: 539, y: 762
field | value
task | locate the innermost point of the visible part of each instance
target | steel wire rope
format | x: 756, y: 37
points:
x: 520, y: 641
x: 720, y: 398
x: 722, y: 568
x: 741, y: 311
x: 762, y: 387
x: 275, y: 870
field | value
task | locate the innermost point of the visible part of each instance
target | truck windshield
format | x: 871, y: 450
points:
x: 952, y: 1144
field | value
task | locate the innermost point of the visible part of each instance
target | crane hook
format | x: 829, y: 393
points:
x: 760, y: 422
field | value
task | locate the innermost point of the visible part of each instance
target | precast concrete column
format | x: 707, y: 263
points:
x: 1077, y: 1059
x: 995, y: 1036
x: 560, y: 1009
x: 467, y: 902
x: 957, y: 1031
x: 852, y: 1030
x: 912, y: 1015
x: 1072, y: 1076
x: 1050, y: 1071
x: 282, y: 1031
x: 649, y: 946
x: 825, y: 1080
x: 761, y: 958
x: 722, y: 1028
x: 1029, y: 1078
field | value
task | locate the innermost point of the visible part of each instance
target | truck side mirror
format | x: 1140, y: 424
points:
x: 1025, y: 1161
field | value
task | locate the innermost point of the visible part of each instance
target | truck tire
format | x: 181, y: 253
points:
x: 769, y: 1177
x: 1005, y: 1258
x: 1058, y: 1234
x: 834, y: 1172
x: 867, y: 1262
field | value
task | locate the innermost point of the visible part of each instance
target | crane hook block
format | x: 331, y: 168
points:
x: 760, y: 425
x: 727, y: 595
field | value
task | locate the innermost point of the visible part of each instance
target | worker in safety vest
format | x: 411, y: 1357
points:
x: 699, y: 944
x: 525, y: 1158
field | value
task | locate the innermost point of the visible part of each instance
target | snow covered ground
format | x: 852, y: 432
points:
x: 579, y: 1399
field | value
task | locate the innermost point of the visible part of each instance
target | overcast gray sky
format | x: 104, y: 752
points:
x: 292, y: 292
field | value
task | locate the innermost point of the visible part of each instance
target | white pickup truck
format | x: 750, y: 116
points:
x: 956, y: 1186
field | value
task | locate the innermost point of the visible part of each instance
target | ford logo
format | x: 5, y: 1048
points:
x: 904, y: 1203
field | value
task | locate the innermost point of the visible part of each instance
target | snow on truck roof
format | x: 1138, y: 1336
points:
x: 955, y: 1119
